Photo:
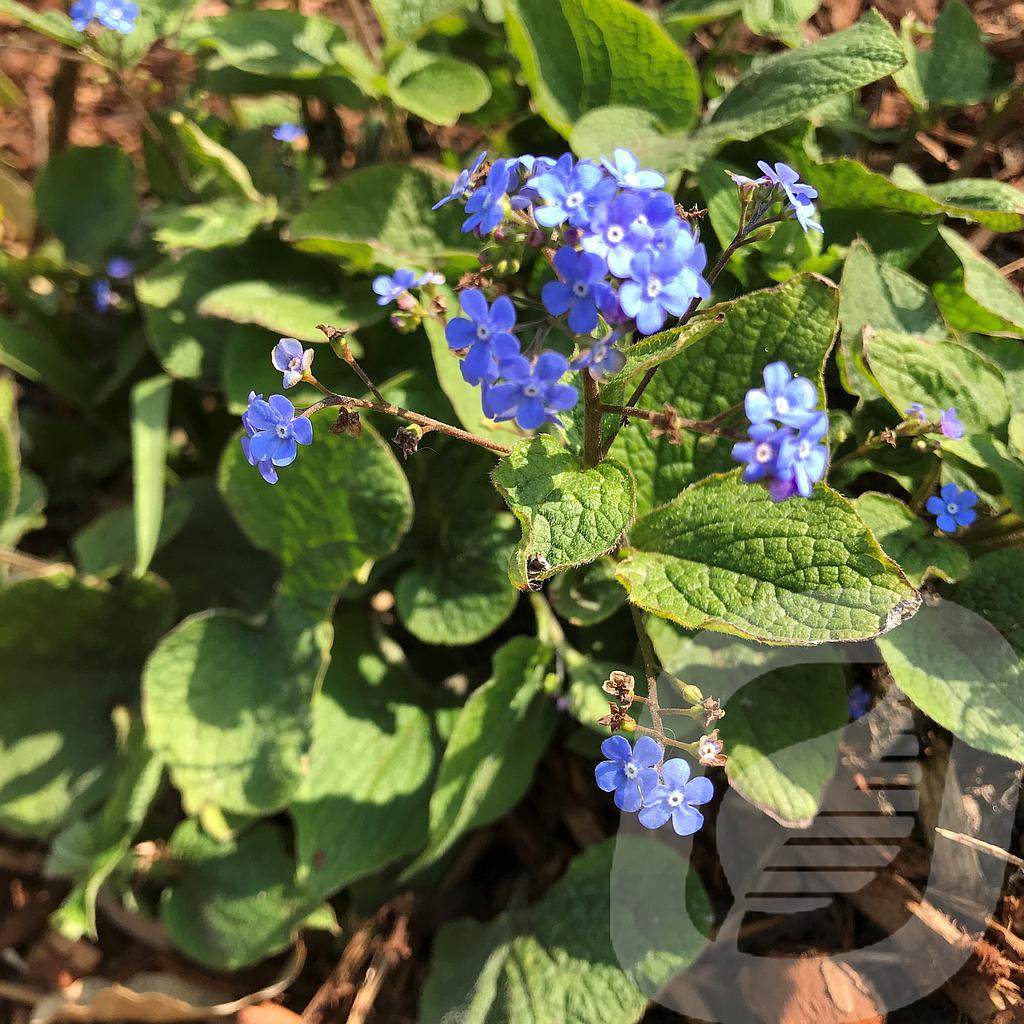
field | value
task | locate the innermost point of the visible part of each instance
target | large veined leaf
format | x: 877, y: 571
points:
x: 578, y: 55
x: 724, y: 556
x: 795, y: 322
x: 436, y: 87
x: 957, y: 668
x: 994, y: 589
x: 570, y: 515
x: 403, y: 20
x: 82, y: 645
x: 589, y: 952
x: 493, y: 748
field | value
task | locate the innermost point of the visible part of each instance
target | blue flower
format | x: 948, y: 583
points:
x: 485, y: 332
x: 102, y: 294
x: 573, y: 192
x: 674, y: 798
x: 916, y: 411
x: 486, y: 207
x: 627, y: 768
x: 119, y: 267
x: 531, y: 395
x: 803, y: 457
x: 289, y: 132
x: 857, y: 702
x: 462, y: 182
x: 117, y: 15
x: 790, y: 400
x: 289, y: 357
x: 391, y: 288
x: 761, y: 452
x: 679, y: 239
x: 273, y: 432
x: 618, y: 231
x: 582, y: 290
x: 82, y: 12
x: 657, y: 287
x: 799, y: 194
x: 952, y: 508
x: 950, y: 424
x: 602, y: 359
x: 625, y: 169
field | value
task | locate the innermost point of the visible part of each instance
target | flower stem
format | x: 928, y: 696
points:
x: 710, y: 427
x: 341, y: 348
x: 650, y: 670
x: 592, y: 409
x: 427, y: 422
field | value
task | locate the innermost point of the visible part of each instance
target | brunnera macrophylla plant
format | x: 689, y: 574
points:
x: 616, y: 261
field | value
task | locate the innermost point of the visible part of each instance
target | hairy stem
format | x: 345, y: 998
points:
x: 650, y: 670
x: 427, y: 422
x: 710, y: 427
x: 591, y: 421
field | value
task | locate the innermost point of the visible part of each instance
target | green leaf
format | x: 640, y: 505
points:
x: 783, y: 733
x: 293, y: 308
x: 9, y: 476
x: 156, y: 19
x: 578, y: 55
x: 383, y: 215
x: 403, y: 20
x: 82, y: 645
x: 848, y: 184
x: 585, y: 953
x: 363, y: 801
x: 227, y: 220
x: 54, y: 24
x: 90, y: 851
x: 958, y: 670
x: 28, y: 514
x: 980, y: 299
x: 570, y: 515
x: 600, y: 130
x: 42, y: 358
x: 938, y: 374
x: 798, y: 80
x: 908, y: 542
x: 493, y: 749
x: 724, y: 556
x: 779, y: 18
x: 234, y: 903
x: 88, y: 220
x: 587, y: 595
x: 795, y: 322
x: 151, y: 405
x: 437, y: 88
x: 989, y: 453
x: 247, y: 367
x: 659, y: 348
x: 995, y: 591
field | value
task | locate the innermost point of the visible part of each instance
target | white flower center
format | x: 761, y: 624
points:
x: 483, y: 332
x: 763, y: 452
x: 295, y: 362
x: 653, y: 286
x: 781, y: 405
x: 803, y: 449
x: 952, y: 509
x: 631, y: 770
x: 581, y: 289
x: 642, y: 220
x: 531, y: 391
x: 281, y: 430
x: 675, y: 799
x: 614, y: 234
x: 573, y: 200
x: 630, y: 179
x: 708, y: 749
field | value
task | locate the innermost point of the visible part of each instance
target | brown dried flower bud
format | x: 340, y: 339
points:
x: 348, y: 422
x: 408, y: 438
x: 669, y: 423
x: 621, y: 686
x: 617, y: 719
x: 712, y: 709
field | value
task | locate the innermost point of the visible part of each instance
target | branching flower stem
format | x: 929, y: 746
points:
x: 651, y: 671
x: 710, y: 427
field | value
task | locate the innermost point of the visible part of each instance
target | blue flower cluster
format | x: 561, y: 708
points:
x: 949, y: 422
x: 785, y: 450
x: 624, y: 258
x: 118, y: 15
x: 103, y: 296
x: 782, y: 178
x: 631, y: 773
x: 952, y: 508
x: 395, y: 287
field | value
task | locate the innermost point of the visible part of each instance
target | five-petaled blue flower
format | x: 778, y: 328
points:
x: 118, y: 15
x: 625, y: 169
x: 288, y: 357
x: 857, y: 702
x: 462, y: 182
x: 950, y: 425
x: 582, y: 290
x: 390, y: 288
x: 618, y: 231
x: 674, y: 798
x: 485, y: 332
x: 602, y: 359
x: 656, y: 289
x: 531, y: 395
x: 952, y: 508
x: 486, y: 206
x: 572, y: 192
x: 627, y: 768
x: 273, y: 432
x: 82, y: 12
x: 803, y: 458
x: 799, y: 194
x: 790, y: 400
x: 289, y: 132
x: 761, y: 452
